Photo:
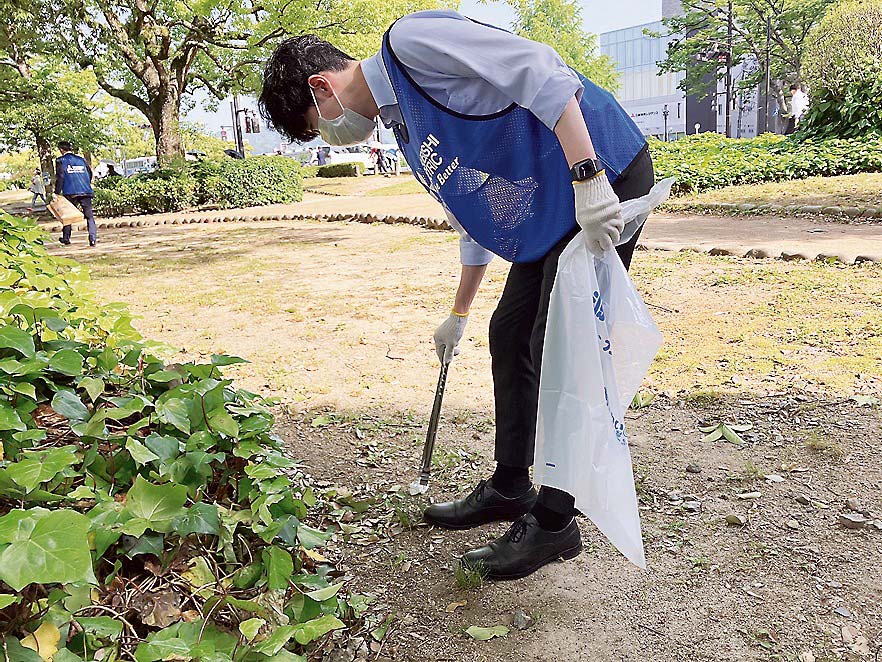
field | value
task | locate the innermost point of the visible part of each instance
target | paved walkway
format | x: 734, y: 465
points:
x: 757, y: 236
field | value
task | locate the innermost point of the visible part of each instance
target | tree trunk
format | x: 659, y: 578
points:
x: 167, y: 128
x: 47, y: 163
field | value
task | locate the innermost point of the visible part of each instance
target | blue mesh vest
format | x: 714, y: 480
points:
x: 76, y: 179
x: 504, y: 176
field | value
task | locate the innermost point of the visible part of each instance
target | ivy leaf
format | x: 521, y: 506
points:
x: 225, y: 359
x: 153, y: 506
x: 200, y: 518
x: 174, y: 412
x: 24, y: 388
x: 221, y: 421
x: 274, y: 643
x: 6, y: 599
x: 322, y: 594
x: 310, y: 537
x: 139, y: 452
x: 44, y: 641
x: 94, y: 386
x: 317, y: 627
x: 9, y: 419
x: 251, y: 627
x: 55, y: 551
x: 101, y: 626
x: 70, y: 406
x: 279, y: 567
x: 483, y: 634
x: 39, y: 467
x: 166, y: 448
x: 67, y: 362
x: 12, y: 337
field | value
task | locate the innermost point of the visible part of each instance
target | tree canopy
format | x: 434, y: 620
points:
x: 558, y: 23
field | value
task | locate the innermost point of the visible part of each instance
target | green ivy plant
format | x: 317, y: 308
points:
x: 710, y: 160
x: 147, y: 511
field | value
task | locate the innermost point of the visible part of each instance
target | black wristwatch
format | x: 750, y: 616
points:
x: 585, y: 169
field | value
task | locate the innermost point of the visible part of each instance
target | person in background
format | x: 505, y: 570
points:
x: 73, y: 180
x: 799, y: 103
x: 111, y: 171
x: 322, y: 156
x: 37, y: 188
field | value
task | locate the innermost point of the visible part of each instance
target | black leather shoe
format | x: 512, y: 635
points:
x: 483, y: 505
x: 524, y: 549
x: 63, y: 242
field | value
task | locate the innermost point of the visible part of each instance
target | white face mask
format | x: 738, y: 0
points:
x: 349, y: 128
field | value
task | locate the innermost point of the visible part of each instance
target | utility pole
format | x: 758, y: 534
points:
x: 237, y: 130
x: 729, y: 30
x: 768, y: 72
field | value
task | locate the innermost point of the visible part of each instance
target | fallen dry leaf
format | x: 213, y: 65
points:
x: 453, y: 606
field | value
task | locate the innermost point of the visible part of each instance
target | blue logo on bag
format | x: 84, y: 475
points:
x: 598, y: 306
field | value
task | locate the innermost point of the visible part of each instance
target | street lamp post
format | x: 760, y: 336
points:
x: 665, y: 115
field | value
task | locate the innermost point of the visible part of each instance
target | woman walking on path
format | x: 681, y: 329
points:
x: 37, y: 188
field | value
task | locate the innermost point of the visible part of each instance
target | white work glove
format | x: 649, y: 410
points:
x: 598, y: 213
x: 448, y: 335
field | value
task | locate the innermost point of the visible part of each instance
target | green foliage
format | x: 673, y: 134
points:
x: 843, y: 68
x: 558, y: 23
x: 710, y: 160
x: 856, y: 113
x: 705, y: 24
x: 340, y: 170
x: 159, y: 191
x: 161, y: 486
x: 309, y: 170
x: 259, y: 180
x: 845, y: 48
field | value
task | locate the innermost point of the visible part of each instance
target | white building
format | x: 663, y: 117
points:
x: 653, y: 99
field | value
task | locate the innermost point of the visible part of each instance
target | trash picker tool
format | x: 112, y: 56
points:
x: 421, y: 484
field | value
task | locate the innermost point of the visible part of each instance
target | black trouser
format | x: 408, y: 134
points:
x: 84, y: 202
x: 517, y: 335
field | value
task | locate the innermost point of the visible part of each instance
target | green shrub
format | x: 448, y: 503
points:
x: 844, y: 48
x: 147, y: 510
x: 710, y: 160
x: 110, y: 202
x: 155, y: 192
x: 843, y: 68
x: 340, y: 170
x: 259, y: 180
x: 309, y: 170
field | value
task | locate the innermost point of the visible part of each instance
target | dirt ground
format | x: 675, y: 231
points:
x: 337, y: 321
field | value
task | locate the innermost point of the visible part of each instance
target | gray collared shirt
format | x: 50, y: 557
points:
x: 473, y: 69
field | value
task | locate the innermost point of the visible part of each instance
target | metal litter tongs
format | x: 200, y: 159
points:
x: 421, y: 484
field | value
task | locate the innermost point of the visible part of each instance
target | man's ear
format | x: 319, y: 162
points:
x: 320, y: 86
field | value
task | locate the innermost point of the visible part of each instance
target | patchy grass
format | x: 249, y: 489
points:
x: 819, y: 443
x: 467, y: 577
x: 370, y: 185
x: 863, y: 190
x: 343, y: 314
x: 409, y: 185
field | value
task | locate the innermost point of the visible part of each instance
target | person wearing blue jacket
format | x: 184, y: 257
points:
x: 73, y: 180
x: 523, y: 153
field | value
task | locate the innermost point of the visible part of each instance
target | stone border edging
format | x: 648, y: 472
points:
x: 853, y: 213
x: 442, y: 224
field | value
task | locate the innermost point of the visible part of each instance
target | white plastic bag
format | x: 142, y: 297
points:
x: 599, y: 342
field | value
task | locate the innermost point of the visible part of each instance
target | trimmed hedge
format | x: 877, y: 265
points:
x: 255, y: 181
x: 341, y: 170
x: 260, y: 180
x: 710, y: 160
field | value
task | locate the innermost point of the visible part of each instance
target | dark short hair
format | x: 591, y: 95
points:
x: 65, y: 146
x: 285, y: 96
x: 794, y: 86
